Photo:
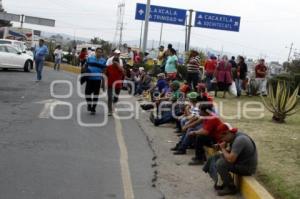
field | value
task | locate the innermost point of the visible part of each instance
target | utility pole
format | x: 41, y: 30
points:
x: 118, y: 37
x: 290, y: 52
x: 141, y: 35
x: 186, y: 34
x: 161, y: 31
x: 189, y: 30
x: 145, y: 39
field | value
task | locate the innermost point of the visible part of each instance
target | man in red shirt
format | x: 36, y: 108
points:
x: 208, y: 135
x: 210, y: 67
x: 115, y: 75
x: 260, y: 77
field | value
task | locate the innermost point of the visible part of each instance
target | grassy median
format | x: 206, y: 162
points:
x: 278, y: 147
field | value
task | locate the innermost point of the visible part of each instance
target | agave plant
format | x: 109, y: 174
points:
x: 281, y: 103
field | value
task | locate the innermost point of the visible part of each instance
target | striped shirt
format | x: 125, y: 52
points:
x: 193, y: 65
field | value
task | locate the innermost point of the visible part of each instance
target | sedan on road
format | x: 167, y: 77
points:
x: 12, y: 58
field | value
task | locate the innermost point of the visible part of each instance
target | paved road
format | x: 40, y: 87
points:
x: 44, y: 158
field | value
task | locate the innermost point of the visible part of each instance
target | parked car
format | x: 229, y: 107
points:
x: 12, y: 58
x: 20, y: 45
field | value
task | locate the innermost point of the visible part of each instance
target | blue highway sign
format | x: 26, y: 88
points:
x: 217, y: 21
x: 161, y: 14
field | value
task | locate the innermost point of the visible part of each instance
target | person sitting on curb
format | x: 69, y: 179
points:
x: 204, y: 126
x: 165, y: 109
x: 239, y: 158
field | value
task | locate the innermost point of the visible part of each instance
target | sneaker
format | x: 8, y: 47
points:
x: 180, y: 152
x: 196, y: 162
x: 228, y: 190
x: 176, y: 148
x: 218, y: 187
x: 93, y: 110
x: 89, y: 108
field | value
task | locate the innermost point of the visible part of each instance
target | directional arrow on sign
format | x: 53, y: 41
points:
x: 141, y: 12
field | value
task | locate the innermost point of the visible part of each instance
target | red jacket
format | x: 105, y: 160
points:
x: 223, y: 74
x: 114, y: 74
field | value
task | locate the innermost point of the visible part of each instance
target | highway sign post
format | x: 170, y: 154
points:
x: 161, y: 14
x: 217, y: 21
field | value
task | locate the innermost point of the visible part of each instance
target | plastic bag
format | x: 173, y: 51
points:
x: 232, y: 89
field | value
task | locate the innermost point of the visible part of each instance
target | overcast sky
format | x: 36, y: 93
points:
x: 267, y: 26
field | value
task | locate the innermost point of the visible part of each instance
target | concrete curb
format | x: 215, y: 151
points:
x: 65, y: 67
x: 249, y: 186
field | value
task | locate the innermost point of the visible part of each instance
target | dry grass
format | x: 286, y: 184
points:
x: 278, y: 148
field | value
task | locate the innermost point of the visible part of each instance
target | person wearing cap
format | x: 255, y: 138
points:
x: 116, y: 54
x: 239, y: 156
x: 115, y: 75
x: 161, y: 86
x: 208, y: 122
x: 95, y: 67
x: 167, y: 115
x: 191, y: 110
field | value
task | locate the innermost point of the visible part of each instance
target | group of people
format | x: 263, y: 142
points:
x: 198, y: 125
x: 95, y: 71
x: 188, y: 104
x: 219, y: 73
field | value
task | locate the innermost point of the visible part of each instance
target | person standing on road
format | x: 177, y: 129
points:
x: 193, y: 68
x: 95, y: 67
x: 58, y: 56
x: 41, y: 51
x: 115, y: 75
x: 82, y: 57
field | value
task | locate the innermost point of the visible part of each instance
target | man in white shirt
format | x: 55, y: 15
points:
x: 58, y: 56
x: 117, y: 54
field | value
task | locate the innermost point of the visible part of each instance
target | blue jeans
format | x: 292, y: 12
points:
x: 208, y: 83
x: 238, y: 84
x: 39, y: 64
x: 186, y: 139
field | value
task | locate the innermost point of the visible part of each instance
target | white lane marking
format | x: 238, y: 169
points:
x: 48, y: 104
x: 125, y: 172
